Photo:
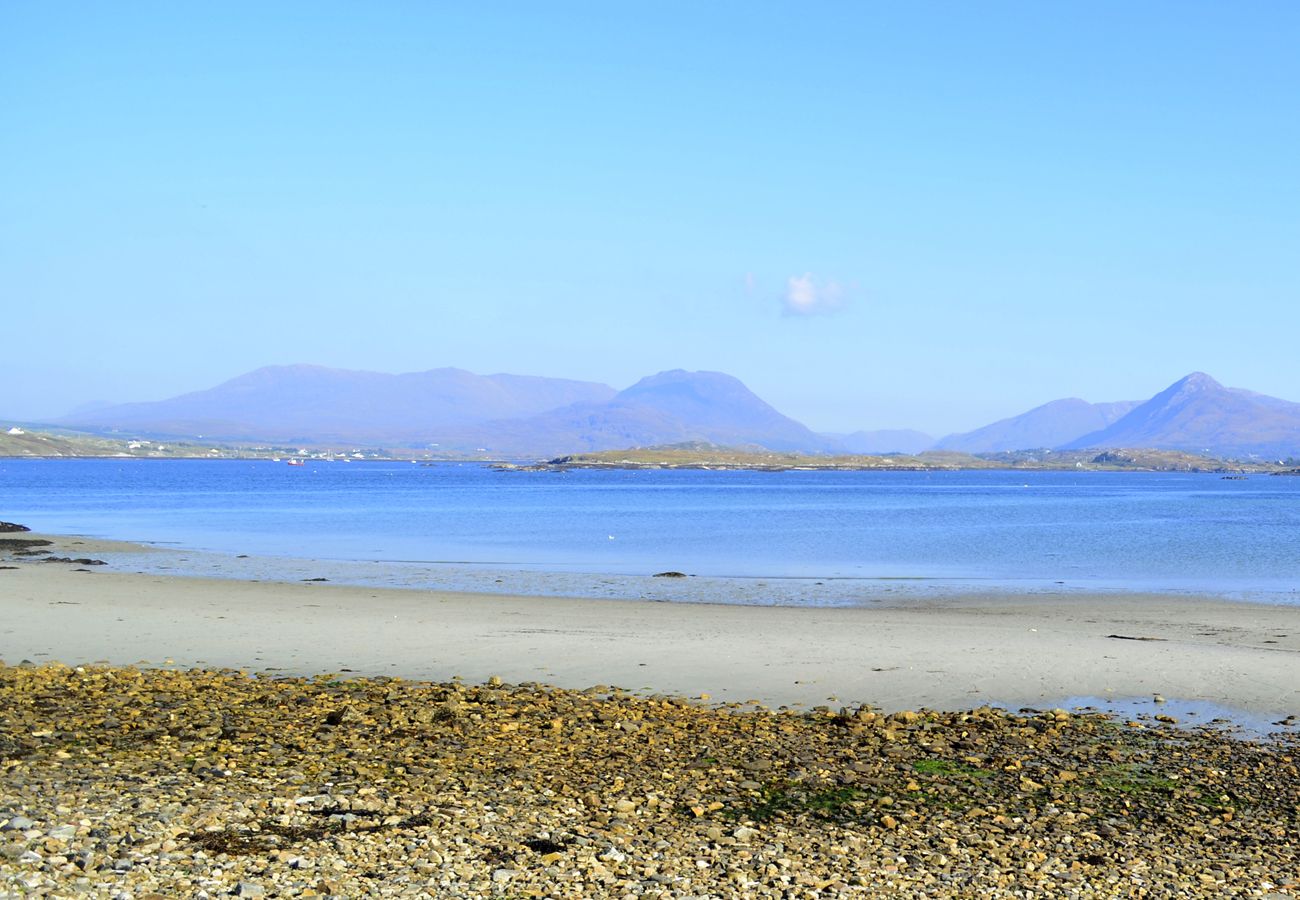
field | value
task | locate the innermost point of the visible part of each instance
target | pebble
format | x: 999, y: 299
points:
x: 336, y: 787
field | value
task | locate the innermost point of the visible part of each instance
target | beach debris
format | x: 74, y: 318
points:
x: 79, y: 561
x: 245, y: 785
x: 339, y: 716
x: 1129, y: 637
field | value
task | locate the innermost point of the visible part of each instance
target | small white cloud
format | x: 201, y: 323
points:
x: 806, y: 296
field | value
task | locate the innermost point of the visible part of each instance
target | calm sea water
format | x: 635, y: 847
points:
x: 804, y: 537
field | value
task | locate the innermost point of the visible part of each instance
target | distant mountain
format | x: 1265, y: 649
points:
x: 451, y: 410
x: 668, y: 408
x: 313, y: 403
x: 455, y: 411
x: 886, y: 441
x: 1049, y: 425
x: 717, y: 408
x: 1199, y: 415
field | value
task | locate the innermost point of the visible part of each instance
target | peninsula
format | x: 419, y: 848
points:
x: 707, y: 456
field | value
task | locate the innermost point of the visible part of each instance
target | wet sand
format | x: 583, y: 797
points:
x: 949, y: 653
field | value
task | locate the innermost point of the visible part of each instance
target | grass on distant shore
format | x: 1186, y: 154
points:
x: 692, y: 455
x: 705, y: 456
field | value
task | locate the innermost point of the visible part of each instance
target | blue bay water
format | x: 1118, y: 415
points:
x: 835, y: 537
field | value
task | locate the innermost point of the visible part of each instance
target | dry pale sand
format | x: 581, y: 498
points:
x: 947, y: 654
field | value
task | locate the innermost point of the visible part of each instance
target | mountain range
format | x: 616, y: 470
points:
x: 1049, y: 425
x: 1195, y: 414
x: 454, y: 411
x: 457, y: 411
x: 1199, y: 415
x: 313, y: 404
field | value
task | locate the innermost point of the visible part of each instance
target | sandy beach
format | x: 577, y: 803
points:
x: 954, y: 653
x: 261, y: 783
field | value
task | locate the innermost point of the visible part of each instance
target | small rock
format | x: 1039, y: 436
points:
x: 339, y: 716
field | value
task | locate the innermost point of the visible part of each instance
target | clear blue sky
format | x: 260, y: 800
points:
x: 922, y: 215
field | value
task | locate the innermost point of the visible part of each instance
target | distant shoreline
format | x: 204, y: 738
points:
x: 1097, y: 460
x: 59, y: 445
x: 1213, y: 467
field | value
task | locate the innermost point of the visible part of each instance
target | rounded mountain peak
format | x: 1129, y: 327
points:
x: 1197, y: 381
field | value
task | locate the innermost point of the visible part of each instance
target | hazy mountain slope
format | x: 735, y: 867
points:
x: 1049, y: 425
x: 904, y: 440
x: 1197, y: 414
x: 716, y: 406
x: 460, y: 411
x: 667, y: 408
x: 305, y: 402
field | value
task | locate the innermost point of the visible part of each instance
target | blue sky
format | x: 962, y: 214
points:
x: 922, y: 215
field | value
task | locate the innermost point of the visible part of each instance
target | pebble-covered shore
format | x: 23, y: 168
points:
x: 156, y: 783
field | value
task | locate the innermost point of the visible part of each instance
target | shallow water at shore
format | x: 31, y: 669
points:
x: 521, y: 581
x: 1180, y: 713
x: 796, y: 538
